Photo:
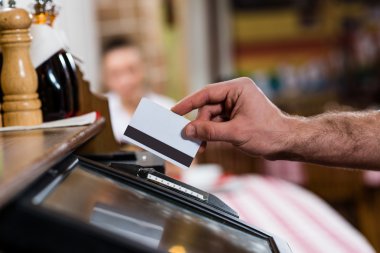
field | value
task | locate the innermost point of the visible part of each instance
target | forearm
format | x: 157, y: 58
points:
x: 337, y: 139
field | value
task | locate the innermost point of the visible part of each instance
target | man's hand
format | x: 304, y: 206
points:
x: 237, y: 112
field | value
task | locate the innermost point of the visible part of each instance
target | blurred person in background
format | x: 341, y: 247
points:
x: 124, y: 80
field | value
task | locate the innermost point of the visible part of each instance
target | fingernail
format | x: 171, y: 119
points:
x: 190, y: 131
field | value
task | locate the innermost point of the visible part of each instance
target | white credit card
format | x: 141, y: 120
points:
x: 159, y: 130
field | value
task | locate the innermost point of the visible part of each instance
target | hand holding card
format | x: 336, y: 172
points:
x: 159, y: 131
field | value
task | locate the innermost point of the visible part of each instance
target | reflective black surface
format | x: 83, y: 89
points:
x: 137, y: 215
x: 72, y: 70
x: 55, y: 88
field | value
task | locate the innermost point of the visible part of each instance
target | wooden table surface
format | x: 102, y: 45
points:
x: 26, y: 155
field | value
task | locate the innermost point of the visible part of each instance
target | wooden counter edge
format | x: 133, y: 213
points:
x: 52, y: 156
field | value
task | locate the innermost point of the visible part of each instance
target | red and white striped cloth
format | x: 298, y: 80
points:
x: 302, y: 219
x: 292, y: 213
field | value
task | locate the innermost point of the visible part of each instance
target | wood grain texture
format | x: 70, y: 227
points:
x: 18, y: 77
x: 26, y: 155
x: 105, y: 141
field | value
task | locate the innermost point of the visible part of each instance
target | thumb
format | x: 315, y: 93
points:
x: 209, y: 131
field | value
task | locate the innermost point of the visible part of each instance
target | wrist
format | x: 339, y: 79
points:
x: 286, y: 139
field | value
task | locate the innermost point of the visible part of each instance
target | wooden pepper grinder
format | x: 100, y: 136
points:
x: 21, y: 105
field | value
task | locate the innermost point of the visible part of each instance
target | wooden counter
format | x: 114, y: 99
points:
x: 25, y: 155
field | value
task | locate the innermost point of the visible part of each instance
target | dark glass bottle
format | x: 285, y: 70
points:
x: 57, y: 76
x: 72, y: 69
x: 55, y: 88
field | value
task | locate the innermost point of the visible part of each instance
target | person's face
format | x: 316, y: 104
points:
x: 123, y: 71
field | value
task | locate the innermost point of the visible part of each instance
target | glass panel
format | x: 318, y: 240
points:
x: 150, y: 220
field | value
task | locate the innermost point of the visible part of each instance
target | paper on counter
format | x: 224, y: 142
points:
x: 82, y: 120
x: 158, y: 130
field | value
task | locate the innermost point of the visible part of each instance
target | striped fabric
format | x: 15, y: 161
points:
x: 299, y: 217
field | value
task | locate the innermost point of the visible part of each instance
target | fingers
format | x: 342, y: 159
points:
x: 208, y: 112
x: 209, y: 131
x: 203, y: 146
x: 212, y: 94
x: 219, y: 118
